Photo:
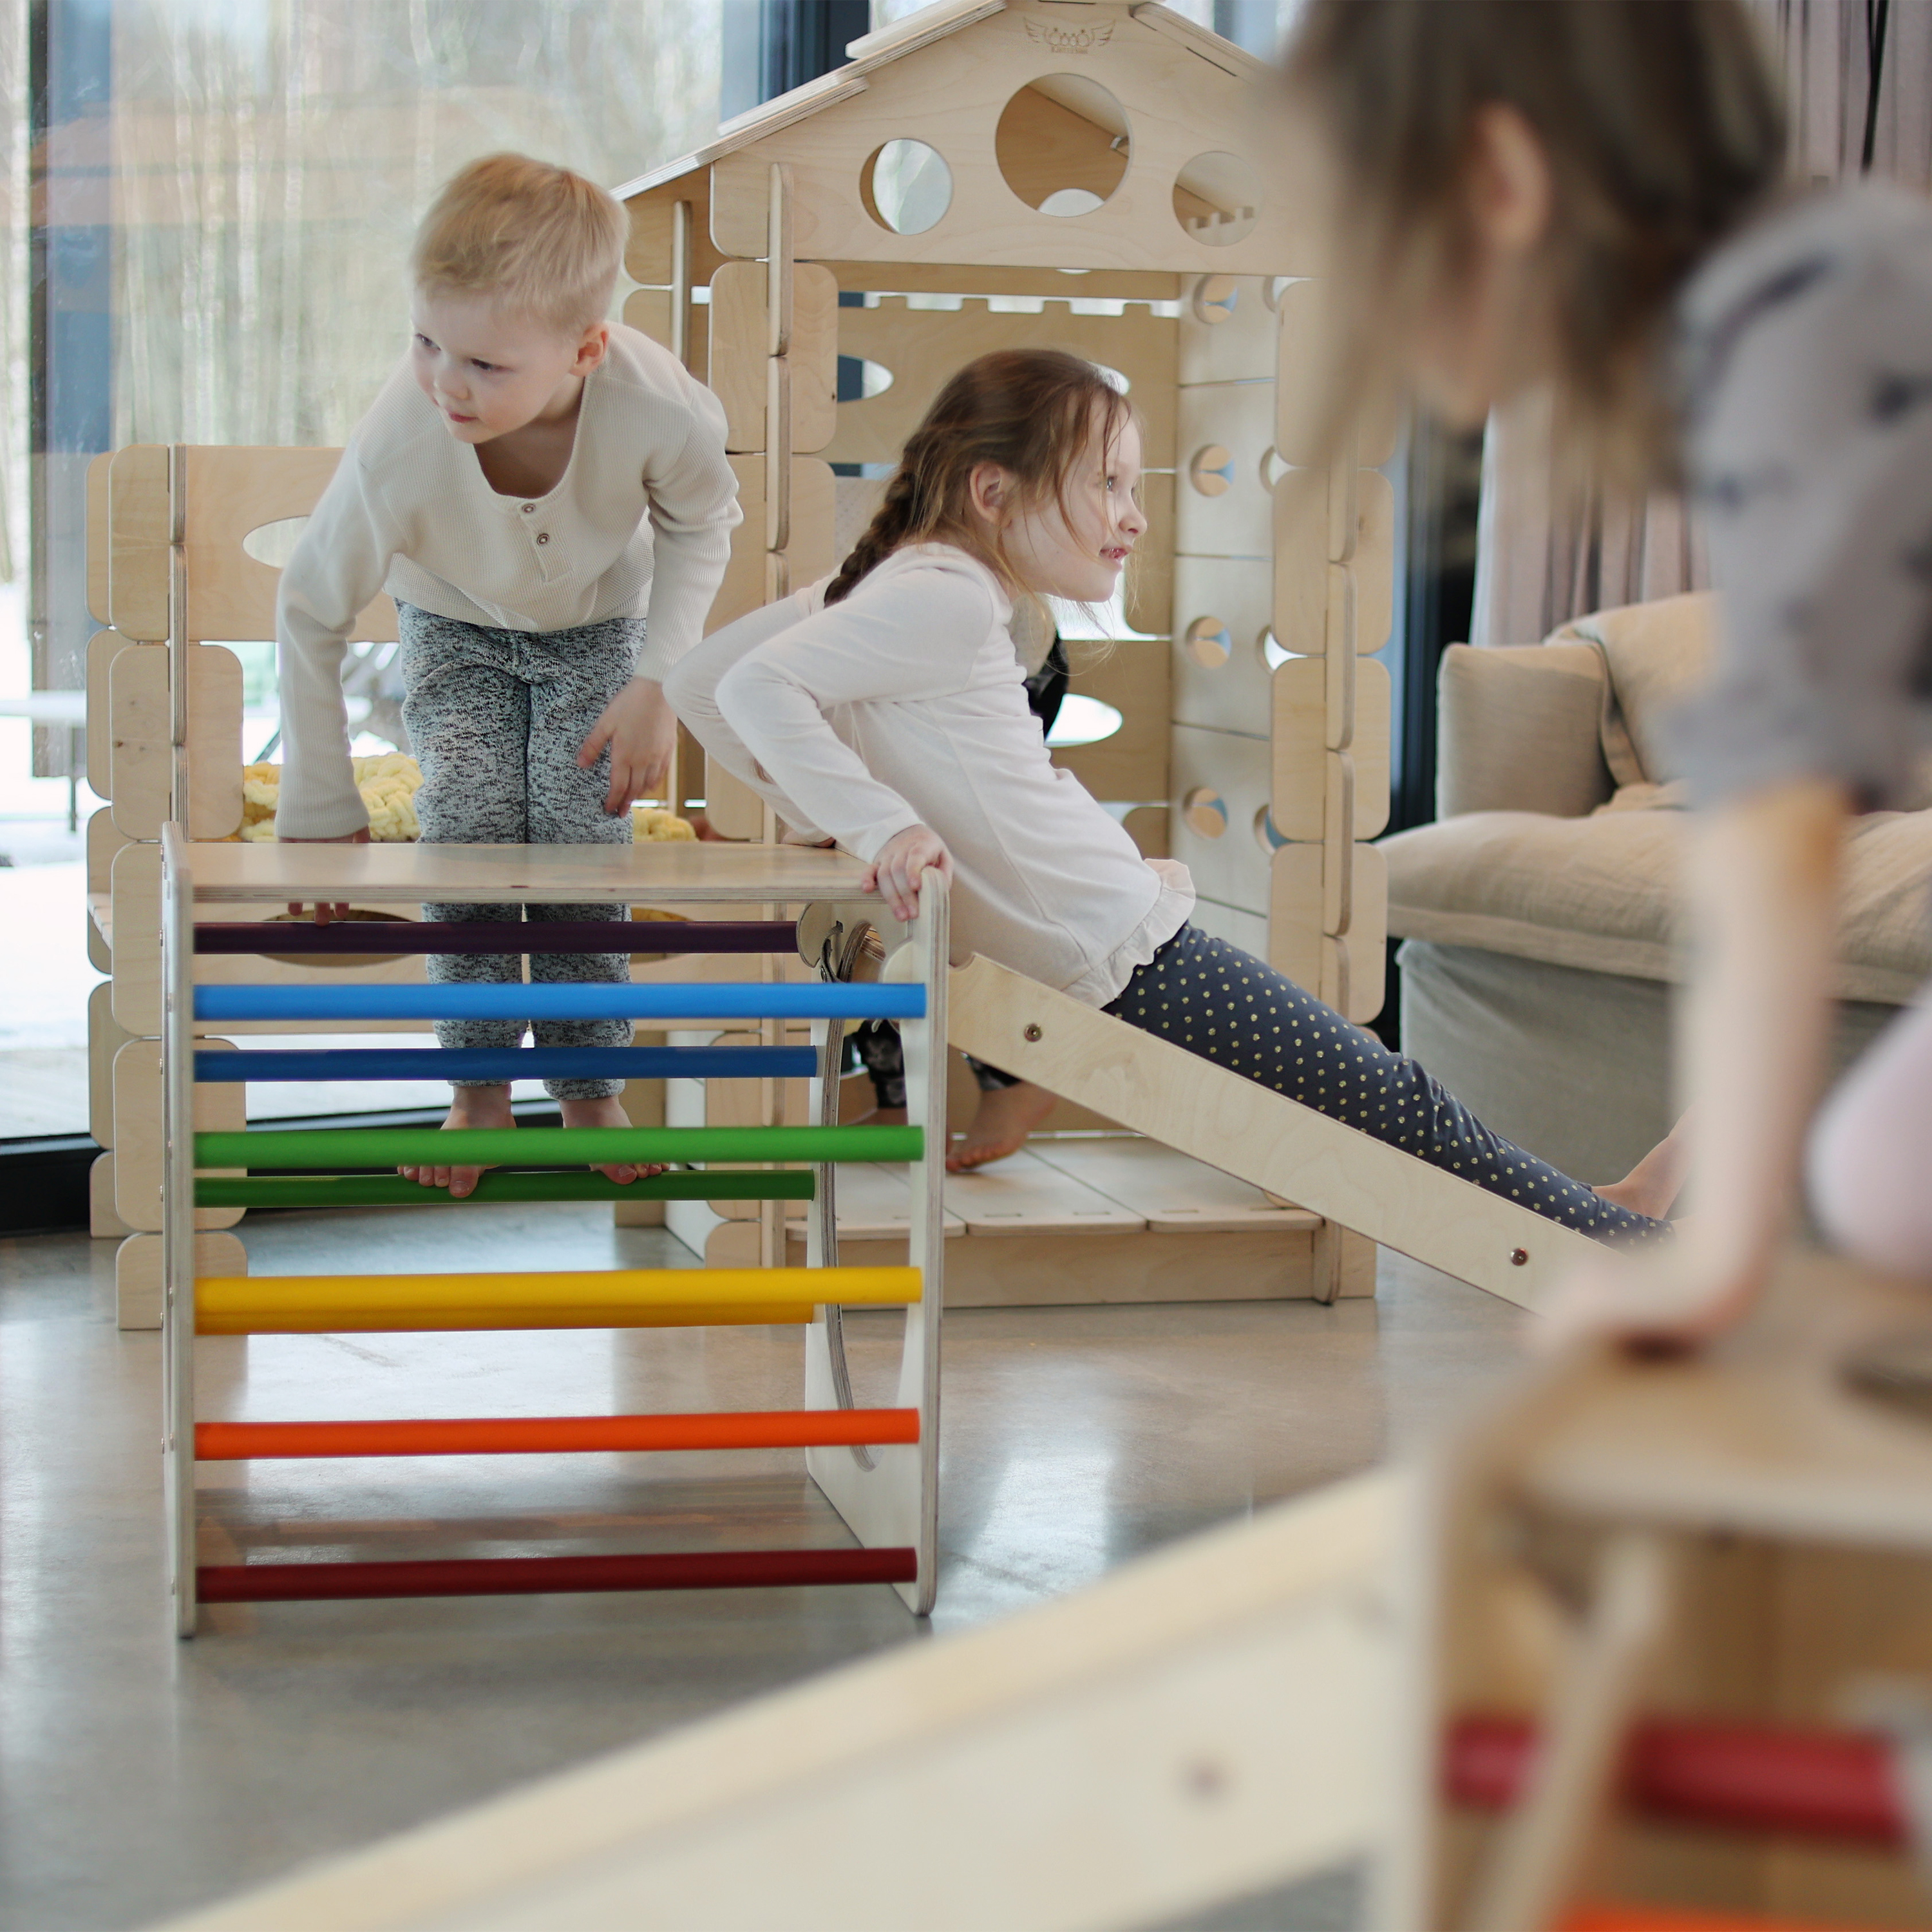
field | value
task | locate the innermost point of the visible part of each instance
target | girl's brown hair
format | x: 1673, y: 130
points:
x: 1664, y: 130
x: 1031, y: 412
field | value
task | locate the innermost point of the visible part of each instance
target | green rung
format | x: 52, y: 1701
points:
x: 391, y: 1190
x: 558, y: 1147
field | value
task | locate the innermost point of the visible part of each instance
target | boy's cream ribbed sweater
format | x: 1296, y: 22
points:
x: 640, y: 526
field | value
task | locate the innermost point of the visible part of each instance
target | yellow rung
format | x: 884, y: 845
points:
x: 627, y: 1297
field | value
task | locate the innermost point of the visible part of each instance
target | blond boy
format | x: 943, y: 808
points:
x: 499, y: 490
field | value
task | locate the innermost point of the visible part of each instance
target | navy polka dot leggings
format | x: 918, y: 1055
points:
x: 1231, y: 1008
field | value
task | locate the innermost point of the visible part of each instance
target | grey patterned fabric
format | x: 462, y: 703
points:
x: 1229, y: 1007
x: 497, y: 718
x: 1807, y: 362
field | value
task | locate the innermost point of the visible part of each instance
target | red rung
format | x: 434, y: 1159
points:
x: 530, y: 1576
x: 774, y: 1428
x: 1743, y: 1777
x: 1619, y: 1917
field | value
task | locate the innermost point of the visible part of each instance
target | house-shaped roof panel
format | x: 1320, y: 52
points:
x: 1053, y: 134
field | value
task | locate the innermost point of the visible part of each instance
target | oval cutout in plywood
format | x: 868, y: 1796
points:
x: 1211, y: 470
x: 274, y: 543
x: 1208, y: 643
x: 1217, y: 199
x: 1205, y: 811
x: 1083, y: 720
x: 906, y: 186
x: 1062, y: 144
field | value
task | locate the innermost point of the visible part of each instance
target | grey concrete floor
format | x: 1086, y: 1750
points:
x: 139, y: 1776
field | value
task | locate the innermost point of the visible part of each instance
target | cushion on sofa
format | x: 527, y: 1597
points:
x: 1600, y: 893
x: 1520, y: 730
x: 1657, y: 655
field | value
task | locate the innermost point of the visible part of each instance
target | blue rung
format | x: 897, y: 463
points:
x: 513, y: 1063
x: 661, y: 1000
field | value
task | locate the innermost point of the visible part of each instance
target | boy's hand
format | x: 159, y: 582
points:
x: 360, y: 836
x: 904, y: 859
x: 641, y: 731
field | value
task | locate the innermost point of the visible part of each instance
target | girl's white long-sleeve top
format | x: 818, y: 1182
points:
x: 639, y: 526
x: 904, y: 705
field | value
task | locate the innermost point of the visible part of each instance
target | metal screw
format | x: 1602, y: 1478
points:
x: 1032, y: 1033
x: 1519, y: 1258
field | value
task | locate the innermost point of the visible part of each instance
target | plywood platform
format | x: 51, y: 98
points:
x: 1094, y: 1218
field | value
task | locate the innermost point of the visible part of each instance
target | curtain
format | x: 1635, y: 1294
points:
x: 1541, y: 562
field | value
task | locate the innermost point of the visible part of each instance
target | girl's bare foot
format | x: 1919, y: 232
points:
x: 469, y: 1107
x: 1651, y: 1187
x: 608, y: 1113
x: 1007, y: 1116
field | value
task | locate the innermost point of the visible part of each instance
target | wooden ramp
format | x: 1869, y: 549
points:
x: 1204, y: 1725
x: 1204, y: 1111
x: 1091, y: 1218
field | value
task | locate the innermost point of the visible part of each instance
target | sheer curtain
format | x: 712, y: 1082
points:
x: 1541, y: 561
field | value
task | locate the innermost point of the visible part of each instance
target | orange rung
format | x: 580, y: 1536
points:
x: 539, y: 1435
x: 1674, y: 1918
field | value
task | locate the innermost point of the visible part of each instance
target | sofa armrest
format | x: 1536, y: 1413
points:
x: 1518, y: 729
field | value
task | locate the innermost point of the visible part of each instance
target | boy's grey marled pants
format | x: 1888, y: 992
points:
x: 496, y: 719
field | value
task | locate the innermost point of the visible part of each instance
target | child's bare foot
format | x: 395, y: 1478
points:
x: 605, y: 1113
x: 1651, y: 1187
x: 1007, y: 1116
x: 469, y: 1107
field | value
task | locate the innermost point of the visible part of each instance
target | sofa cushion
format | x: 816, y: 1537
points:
x: 1656, y: 654
x: 1520, y: 730
x: 1600, y: 893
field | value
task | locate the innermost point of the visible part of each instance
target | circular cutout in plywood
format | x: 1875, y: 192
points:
x: 1214, y: 299
x: 907, y: 187
x: 1211, y: 470
x: 1217, y: 199
x: 1266, y: 836
x: 1062, y: 144
x: 1208, y: 643
x: 1205, y: 811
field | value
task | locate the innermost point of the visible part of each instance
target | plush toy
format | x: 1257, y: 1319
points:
x: 389, y: 785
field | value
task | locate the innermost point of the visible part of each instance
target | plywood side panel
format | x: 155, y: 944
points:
x: 102, y: 650
x: 99, y: 499
x: 1132, y: 764
x: 1306, y: 514
x: 218, y: 1109
x: 140, y: 529
x: 1223, y: 608
x: 814, y: 524
x: 1312, y: 958
x: 924, y: 348
x: 228, y: 492
x: 1300, y: 748
x: 966, y: 278
x: 1227, y: 856
x: 1224, y: 497
x: 739, y: 322
x: 647, y: 257
x: 140, y: 754
x: 104, y: 838
x: 1309, y: 362
x: 1229, y: 330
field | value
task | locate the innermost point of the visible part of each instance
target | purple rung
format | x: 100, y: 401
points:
x: 505, y: 936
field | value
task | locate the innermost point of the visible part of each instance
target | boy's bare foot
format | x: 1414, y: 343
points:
x: 1007, y: 1116
x: 1651, y: 1187
x: 605, y: 1113
x: 469, y: 1107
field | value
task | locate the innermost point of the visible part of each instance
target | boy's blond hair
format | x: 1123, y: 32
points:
x: 540, y: 240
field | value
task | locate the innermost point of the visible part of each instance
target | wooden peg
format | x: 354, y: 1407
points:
x: 1338, y: 691
x: 778, y: 261
x: 778, y: 453
x: 681, y: 217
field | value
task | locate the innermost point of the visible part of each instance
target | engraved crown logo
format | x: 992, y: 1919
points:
x: 1069, y: 40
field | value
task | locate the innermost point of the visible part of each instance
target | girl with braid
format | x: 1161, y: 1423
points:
x: 884, y: 709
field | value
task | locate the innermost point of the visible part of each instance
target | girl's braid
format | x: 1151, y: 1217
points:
x: 896, y: 519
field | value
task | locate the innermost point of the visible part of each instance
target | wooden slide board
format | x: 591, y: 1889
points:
x: 1205, y: 1724
x: 1162, y: 1090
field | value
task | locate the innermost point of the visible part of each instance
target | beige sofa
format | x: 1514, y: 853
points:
x: 1540, y: 912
